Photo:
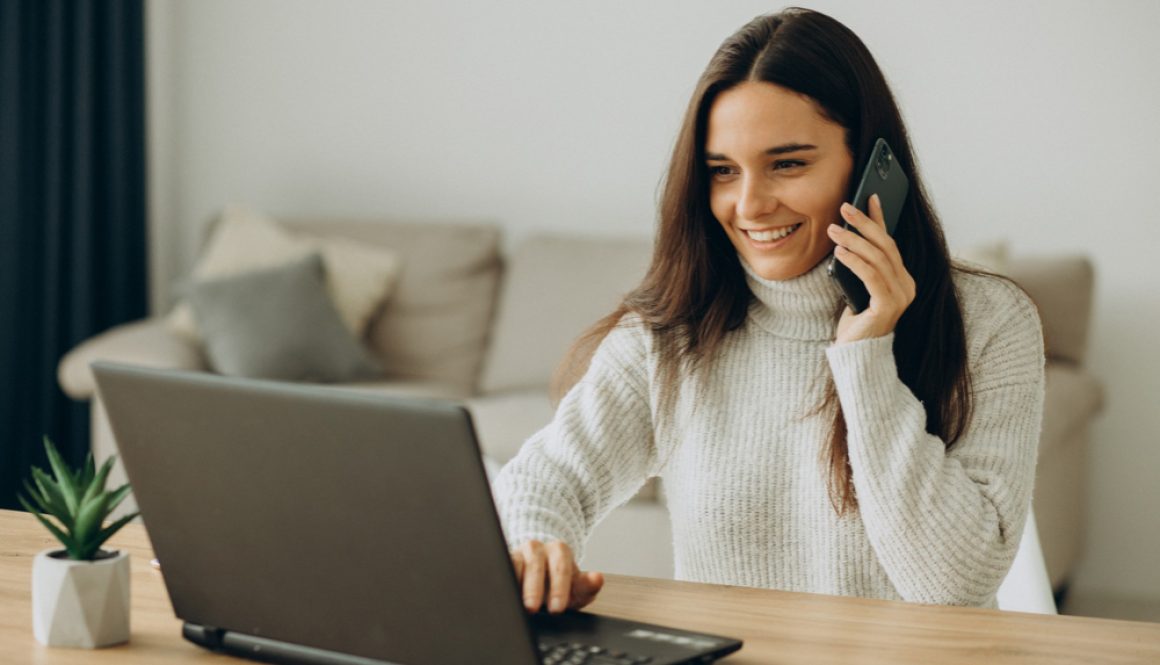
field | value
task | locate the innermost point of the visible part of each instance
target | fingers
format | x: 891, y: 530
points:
x: 560, y: 569
x: 535, y: 567
x: 860, y: 245
x: 876, y: 273
x: 518, y: 563
x: 866, y: 261
x: 873, y: 250
x: 891, y: 247
x: 549, y: 576
x: 868, y: 273
x: 872, y: 226
x: 873, y: 256
x: 876, y: 212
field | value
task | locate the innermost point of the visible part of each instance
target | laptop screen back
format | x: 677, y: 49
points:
x: 319, y: 516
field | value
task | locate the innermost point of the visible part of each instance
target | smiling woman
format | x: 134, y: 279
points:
x: 775, y: 203
x: 888, y: 453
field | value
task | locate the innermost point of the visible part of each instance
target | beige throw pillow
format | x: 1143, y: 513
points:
x: 359, y: 278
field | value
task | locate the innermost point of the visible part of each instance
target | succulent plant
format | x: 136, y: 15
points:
x: 79, y: 502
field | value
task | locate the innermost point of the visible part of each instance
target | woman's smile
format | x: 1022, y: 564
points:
x: 771, y: 238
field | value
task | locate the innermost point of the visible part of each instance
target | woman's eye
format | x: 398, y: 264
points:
x: 780, y: 165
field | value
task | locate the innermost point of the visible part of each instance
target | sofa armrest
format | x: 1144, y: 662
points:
x: 146, y: 342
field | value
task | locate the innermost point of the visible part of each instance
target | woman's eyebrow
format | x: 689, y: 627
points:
x: 776, y: 150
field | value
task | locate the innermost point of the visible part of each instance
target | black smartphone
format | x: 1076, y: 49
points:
x: 882, y: 176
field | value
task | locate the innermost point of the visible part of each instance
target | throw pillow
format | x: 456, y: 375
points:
x: 278, y: 323
x: 359, y: 278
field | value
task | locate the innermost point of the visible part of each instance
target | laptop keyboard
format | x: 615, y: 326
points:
x: 584, y: 654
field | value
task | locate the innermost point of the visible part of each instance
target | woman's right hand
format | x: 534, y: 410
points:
x: 549, y: 572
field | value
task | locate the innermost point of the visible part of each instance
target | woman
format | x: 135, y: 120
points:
x: 885, y: 454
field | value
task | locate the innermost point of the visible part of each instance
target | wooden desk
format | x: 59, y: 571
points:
x: 778, y: 627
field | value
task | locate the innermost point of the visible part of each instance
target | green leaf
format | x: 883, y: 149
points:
x: 117, y: 495
x: 64, y: 477
x: 32, y: 490
x: 86, y: 476
x: 53, y: 495
x: 88, y: 525
x: 37, y: 497
x: 54, y: 529
x: 113, y: 528
x: 96, y: 484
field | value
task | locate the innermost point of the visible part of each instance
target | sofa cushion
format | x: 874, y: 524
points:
x: 1061, y: 287
x: 359, y: 277
x: 555, y: 287
x: 278, y: 323
x: 435, y: 326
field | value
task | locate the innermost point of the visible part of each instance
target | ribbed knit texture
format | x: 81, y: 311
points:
x: 739, y: 456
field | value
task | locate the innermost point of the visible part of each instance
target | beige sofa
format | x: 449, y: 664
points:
x: 466, y: 322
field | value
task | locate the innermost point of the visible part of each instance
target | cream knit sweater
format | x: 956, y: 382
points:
x: 740, y: 457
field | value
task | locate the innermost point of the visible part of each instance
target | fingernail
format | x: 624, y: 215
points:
x: 847, y: 209
x: 557, y: 605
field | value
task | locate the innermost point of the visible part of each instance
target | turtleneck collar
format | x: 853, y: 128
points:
x: 799, y: 308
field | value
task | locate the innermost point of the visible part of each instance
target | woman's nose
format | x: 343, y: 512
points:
x: 756, y: 199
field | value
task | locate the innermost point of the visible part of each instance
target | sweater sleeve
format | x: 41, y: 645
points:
x: 594, y: 455
x: 945, y: 525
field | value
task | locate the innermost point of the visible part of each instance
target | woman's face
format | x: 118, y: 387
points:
x: 778, y: 173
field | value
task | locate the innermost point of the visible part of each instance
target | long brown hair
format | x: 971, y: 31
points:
x: 695, y: 290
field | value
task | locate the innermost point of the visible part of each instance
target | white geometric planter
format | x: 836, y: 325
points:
x: 80, y: 603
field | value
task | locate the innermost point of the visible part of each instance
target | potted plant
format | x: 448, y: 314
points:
x: 80, y: 594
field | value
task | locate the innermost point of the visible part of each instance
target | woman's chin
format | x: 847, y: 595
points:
x: 779, y: 269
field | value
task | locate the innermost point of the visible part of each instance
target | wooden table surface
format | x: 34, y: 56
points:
x: 777, y: 626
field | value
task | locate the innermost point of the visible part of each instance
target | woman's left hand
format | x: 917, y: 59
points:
x: 874, y: 258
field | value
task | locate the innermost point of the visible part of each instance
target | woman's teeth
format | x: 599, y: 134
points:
x: 775, y: 234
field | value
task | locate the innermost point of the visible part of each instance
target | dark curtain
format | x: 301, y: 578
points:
x: 72, y: 208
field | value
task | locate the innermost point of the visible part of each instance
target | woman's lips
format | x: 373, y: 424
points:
x: 771, y: 238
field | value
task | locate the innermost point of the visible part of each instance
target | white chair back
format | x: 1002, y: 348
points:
x: 1027, y: 587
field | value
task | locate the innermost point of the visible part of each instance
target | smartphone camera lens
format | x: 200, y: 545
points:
x: 882, y: 164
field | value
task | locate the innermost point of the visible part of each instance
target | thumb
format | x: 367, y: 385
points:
x: 585, y: 586
x: 589, y: 582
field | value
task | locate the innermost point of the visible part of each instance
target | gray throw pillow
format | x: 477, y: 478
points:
x: 278, y: 323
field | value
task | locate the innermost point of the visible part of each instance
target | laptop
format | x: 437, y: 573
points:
x: 311, y: 524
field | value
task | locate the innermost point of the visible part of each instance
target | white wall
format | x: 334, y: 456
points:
x: 1033, y: 121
